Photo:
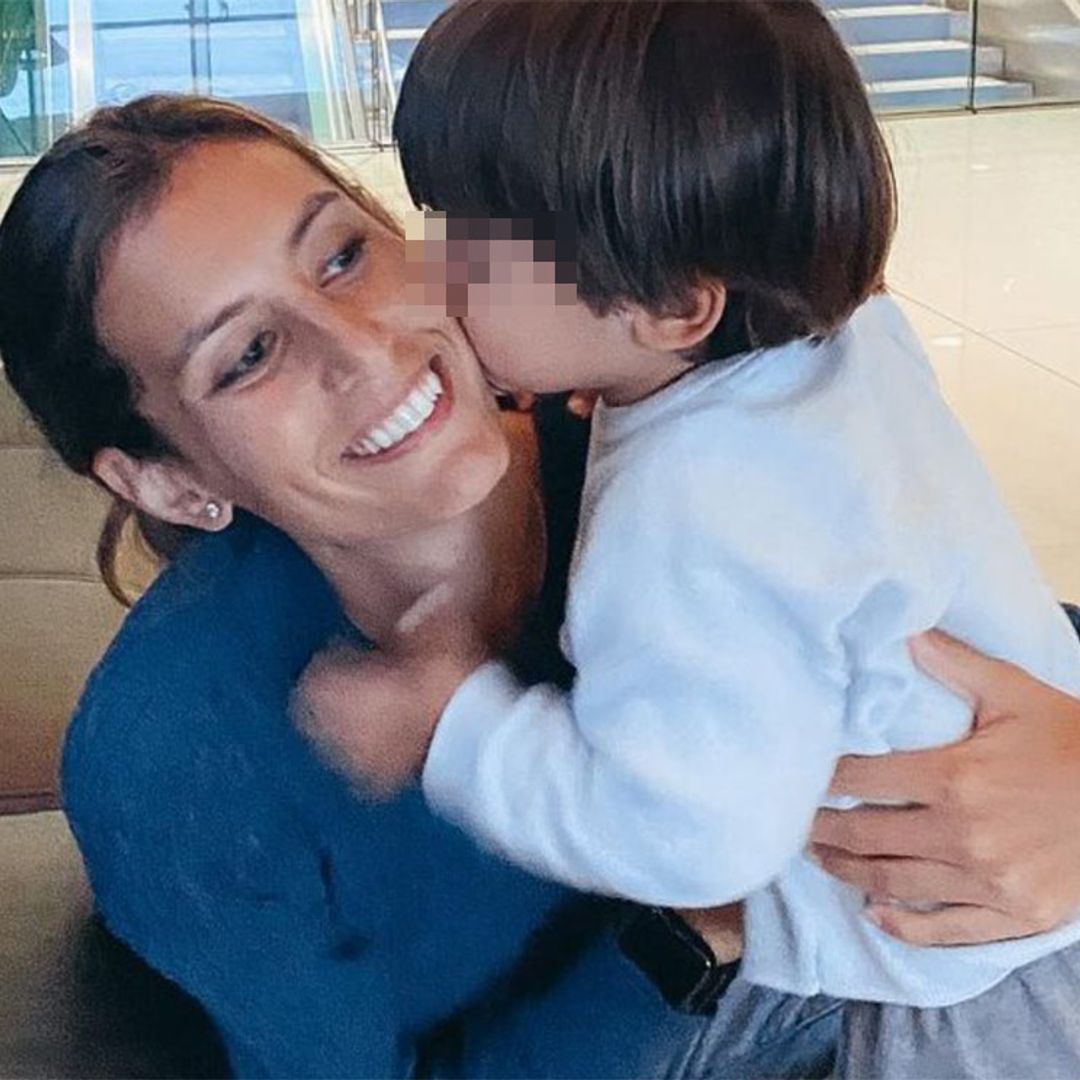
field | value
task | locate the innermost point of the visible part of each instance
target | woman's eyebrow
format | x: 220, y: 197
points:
x: 310, y: 209
x: 198, y: 334
x: 312, y: 206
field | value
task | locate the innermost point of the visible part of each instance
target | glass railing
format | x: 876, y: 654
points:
x: 332, y: 68
x: 59, y: 59
x: 919, y: 55
x: 915, y: 55
x: 1034, y: 43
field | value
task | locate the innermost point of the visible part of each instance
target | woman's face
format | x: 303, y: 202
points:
x: 263, y: 315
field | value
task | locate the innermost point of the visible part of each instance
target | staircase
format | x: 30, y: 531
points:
x: 911, y: 55
x: 917, y: 56
x: 406, y: 21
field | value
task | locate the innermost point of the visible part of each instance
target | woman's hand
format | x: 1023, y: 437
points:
x: 994, y: 829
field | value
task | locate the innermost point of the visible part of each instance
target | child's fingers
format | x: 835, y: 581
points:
x: 581, y: 403
x: 421, y: 621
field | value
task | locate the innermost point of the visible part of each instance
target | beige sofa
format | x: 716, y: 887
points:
x: 56, y: 617
x: 73, y: 1001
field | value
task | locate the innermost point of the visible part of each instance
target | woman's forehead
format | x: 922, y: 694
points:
x: 225, y: 215
x: 230, y: 183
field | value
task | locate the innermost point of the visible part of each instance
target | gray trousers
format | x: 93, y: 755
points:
x: 1025, y: 1028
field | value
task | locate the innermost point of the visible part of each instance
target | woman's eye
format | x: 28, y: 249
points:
x: 344, y: 259
x: 254, y: 355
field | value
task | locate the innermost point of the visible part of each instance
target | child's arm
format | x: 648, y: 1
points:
x: 686, y: 765
x: 680, y: 795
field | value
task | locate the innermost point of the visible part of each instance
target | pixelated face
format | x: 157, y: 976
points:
x: 515, y: 290
x: 265, y: 317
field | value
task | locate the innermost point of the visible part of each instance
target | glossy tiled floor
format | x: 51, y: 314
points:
x: 987, y: 266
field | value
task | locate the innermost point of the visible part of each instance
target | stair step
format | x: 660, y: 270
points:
x: 889, y: 61
x: 947, y: 92
x: 411, y: 14
x: 833, y: 5
x: 893, y: 22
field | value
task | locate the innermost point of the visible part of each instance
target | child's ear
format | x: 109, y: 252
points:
x: 672, y: 333
x: 162, y: 488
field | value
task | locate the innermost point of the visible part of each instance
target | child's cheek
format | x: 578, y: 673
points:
x: 498, y: 347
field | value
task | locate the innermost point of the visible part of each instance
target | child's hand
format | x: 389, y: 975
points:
x: 341, y: 706
x: 372, y: 715
x: 582, y: 403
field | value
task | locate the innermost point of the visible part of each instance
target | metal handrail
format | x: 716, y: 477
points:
x: 367, y: 25
x: 345, y: 13
x: 383, y: 45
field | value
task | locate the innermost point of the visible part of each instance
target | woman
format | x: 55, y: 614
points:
x: 207, y: 319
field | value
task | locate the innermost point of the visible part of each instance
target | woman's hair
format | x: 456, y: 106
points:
x: 680, y: 139
x: 55, y: 240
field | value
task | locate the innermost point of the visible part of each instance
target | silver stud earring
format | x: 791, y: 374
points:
x: 212, y: 510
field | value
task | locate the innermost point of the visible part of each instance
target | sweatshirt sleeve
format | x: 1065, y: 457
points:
x: 685, y: 765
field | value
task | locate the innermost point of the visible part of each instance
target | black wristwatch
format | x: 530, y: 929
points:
x: 677, y: 959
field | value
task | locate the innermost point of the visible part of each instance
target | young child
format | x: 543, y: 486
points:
x: 776, y: 496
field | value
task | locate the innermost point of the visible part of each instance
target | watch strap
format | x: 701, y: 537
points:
x: 677, y: 959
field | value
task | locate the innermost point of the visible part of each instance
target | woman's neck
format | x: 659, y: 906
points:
x: 489, y: 560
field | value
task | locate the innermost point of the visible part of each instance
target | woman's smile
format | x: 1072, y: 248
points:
x: 426, y: 403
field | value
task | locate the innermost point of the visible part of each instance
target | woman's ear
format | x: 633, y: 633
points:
x: 676, y: 333
x: 162, y: 488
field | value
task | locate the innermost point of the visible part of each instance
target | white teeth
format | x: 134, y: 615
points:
x: 405, y: 419
x: 395, y: 427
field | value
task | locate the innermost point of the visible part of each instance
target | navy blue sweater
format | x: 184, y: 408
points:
x: 323, y: 933
x: 327, y: 935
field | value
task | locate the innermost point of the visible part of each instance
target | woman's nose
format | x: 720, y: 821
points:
x: 351, y: 349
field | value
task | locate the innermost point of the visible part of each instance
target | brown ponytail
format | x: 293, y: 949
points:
x: 129, y: 533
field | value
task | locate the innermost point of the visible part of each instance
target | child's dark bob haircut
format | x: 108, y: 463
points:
x: 683, y: 139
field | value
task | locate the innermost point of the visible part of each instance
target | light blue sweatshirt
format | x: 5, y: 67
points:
x: 757, y: 543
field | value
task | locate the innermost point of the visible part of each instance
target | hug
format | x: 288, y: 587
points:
x: 457, y: 740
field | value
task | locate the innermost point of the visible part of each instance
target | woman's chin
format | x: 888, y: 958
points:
x: 444, y: 478
x: 460, y: 483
